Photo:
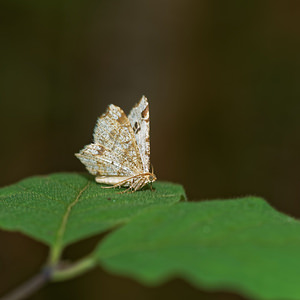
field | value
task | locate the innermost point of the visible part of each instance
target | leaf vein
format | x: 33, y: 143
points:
x: 57, y: 248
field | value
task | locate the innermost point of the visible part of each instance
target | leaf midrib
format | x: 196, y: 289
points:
x: 57, y: 246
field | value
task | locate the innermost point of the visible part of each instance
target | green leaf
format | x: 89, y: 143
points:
x: 63, y: 208
x: 240, y: 244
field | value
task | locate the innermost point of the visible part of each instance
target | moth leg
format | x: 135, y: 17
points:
x: 140, y: 184
x: 126, y: 191
x: 151, y: 187
x: 108, y: 187
x: 112, y: 186
x: 133, y: 187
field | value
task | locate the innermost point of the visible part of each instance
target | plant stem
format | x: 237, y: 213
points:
x: 73, y: 270
x: 30, y: 286
x: 50, y: 273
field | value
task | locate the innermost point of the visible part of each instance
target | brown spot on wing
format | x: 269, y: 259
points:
x: 145, y: 112
x: 136, y: 127
x: 122, y: 119
x: 100, y: 150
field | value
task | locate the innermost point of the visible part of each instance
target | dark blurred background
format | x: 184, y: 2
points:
x: 222, y: 78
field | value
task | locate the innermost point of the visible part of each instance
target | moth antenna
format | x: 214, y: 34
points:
x: 152, y: 169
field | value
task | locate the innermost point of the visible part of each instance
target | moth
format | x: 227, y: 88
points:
x: 120, y: 153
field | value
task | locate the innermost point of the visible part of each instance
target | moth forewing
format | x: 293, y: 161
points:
x: 140, y: 122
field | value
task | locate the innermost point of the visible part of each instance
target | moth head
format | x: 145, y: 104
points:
x: 151, y: 177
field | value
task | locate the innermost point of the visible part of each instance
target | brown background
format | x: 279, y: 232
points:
x: 222, y: 78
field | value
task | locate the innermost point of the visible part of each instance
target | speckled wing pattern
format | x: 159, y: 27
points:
x: 120, y: 154
x: 140, y: 122
x: 114, y: 151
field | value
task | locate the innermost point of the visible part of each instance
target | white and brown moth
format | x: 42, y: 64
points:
x: 120, y: 154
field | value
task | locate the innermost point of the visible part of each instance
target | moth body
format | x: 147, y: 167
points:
x: 120, y: 154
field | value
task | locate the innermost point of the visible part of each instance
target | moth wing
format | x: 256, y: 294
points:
x: 140, y: 123
x: 114, y: 151
x: 102, y: 162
